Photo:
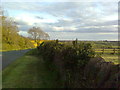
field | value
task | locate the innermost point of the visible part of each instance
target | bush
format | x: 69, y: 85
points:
x: 85, y: 52
x: 69, y: 56
x: 48, y: 50
x: 73, y: 57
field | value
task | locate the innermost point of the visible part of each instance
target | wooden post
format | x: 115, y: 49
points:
x: 114, y: 51
x: 73, y: 43
x: 103, y: 51
x: 76, y: 41
x: 57, y: 41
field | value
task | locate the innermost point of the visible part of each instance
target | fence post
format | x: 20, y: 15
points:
x: 57, y: 41
x: 114, y: 51
x: 103, y: 51
x: 76, y: 41
x: 73, y: 43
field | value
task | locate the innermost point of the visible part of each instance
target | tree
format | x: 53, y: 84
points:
x: 37, y: 34
x: 9, y: 29
x: 11, y: 40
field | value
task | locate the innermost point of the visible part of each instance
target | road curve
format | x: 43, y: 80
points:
x: 10, y: 56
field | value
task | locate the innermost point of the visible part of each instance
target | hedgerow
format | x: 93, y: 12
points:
x: 73, y: 56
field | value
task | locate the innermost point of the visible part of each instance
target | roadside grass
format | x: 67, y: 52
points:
x: 29, y: 71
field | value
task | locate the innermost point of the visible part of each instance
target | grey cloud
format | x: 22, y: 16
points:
x: 19, y: 22
x: 38, y: 17
x: 83, y: 36
x: 81, y: 15
x: 24, y: 27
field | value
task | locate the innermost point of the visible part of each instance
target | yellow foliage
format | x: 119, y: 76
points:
x: 32, y: 41
x: 40, y: 41
x: 35, y: 44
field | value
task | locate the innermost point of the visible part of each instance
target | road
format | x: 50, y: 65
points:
x: 8, y: 57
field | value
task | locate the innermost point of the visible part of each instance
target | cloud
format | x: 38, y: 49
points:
x: 67, y: 17
x: 23, y: 33
x: 31, y: 20
x: 38, y: 17
x: 70, y: 28
x: 82, y: 36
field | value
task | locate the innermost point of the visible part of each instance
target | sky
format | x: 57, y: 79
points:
x: 66, y: 20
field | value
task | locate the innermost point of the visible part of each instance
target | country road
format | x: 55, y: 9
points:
x: 10, y: 56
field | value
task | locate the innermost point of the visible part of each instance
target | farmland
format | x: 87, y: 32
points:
x: 108, y: 50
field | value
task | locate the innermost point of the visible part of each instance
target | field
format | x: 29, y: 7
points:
x: 109, y: 50
x: 111, y: 58
x: 110, y: 55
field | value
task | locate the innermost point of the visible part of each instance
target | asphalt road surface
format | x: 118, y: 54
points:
x: 10, y: 56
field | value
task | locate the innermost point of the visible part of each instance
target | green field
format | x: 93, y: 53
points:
x: 111, y: 58
x: 29, y: 72
x: 109, y: 50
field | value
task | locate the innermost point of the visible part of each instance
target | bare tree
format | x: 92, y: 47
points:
x: 37, y: 34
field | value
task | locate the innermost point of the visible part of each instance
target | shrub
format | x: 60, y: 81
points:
x: 73, y: 57
x: 85, y: 52
x: 48, y: 50
x: 69, y: 56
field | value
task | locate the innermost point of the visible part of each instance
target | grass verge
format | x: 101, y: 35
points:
x: 29, y: 72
